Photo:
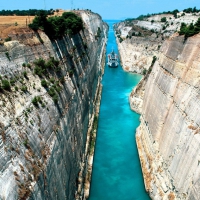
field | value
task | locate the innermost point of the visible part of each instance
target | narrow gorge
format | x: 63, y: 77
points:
x: 49, y: 93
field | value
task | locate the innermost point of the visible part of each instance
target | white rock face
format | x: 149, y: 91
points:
x: 42, y: 149
x: 136, y: 54
x: 168, y: 137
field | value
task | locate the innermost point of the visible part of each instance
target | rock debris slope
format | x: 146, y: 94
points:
x: 44, y: 120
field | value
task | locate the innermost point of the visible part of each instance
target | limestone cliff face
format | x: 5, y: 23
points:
x: 42, y: 148
x: 168, y: 137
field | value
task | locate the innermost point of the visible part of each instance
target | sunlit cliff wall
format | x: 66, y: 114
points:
x: 168, y: 137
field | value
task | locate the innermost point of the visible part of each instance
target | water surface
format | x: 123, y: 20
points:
x: 116, y: 170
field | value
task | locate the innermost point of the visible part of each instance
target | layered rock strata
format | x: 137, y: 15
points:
x: 168, y: 137
x: 43, y: 146
x: 136, y: 53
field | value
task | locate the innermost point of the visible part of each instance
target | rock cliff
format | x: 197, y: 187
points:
x: 168, y: 137
x: 45, y: 119
x: 168, y: 100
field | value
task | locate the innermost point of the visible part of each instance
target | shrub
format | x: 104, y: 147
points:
x: 53, y: 94
x: 40, y: 63
x: 5, y: 84
x: 24, y: 88
x: 16, y: 88
x: 25, y: 74
x: 144, y: 71
x: 28, y: 65
x: 37, y: 100
x: 44, y: 83
x: 52, y: 80
x: 7, y: 55
x: 71, y: 72
x: 38, y: 71
x: 8, y: 39
x: 55, y: 98
x: 154, y: 60
x: 190, y: 30
x: 164, y: 19
x: 12, y: 82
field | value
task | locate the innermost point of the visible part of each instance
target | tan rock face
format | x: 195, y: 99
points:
x: 136, y: 54
x: 168, y: 137
x: 42, y: 148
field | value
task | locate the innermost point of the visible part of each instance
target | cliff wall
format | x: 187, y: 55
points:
x: 168, y: 137
x: 43, y: 142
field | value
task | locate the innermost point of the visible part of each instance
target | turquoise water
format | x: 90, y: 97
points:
x: 116, y: 170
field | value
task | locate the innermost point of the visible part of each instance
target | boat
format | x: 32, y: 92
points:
x: 113, y: 59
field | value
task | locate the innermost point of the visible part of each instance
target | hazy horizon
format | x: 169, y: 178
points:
x: 113, y: 9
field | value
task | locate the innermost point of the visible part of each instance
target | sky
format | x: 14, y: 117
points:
x: 108, y: 9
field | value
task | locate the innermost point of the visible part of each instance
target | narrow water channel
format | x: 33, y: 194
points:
x: 116, y: 170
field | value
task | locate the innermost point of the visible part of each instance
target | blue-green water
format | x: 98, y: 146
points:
x: 116, y: 170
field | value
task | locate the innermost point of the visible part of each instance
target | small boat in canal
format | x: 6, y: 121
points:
x: 113, y: 59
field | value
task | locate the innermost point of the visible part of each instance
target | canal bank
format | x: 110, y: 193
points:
x: 116, y: 171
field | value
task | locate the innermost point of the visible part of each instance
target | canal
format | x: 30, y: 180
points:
x: 117, y: 172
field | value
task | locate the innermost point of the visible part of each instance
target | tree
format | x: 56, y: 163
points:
x: 164, y: 19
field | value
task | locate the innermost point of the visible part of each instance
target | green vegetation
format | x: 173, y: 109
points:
x: 24, y: 88
x: 44, y: 83
x: 98, y: 35
x: 55, y: 27
x: 144, y: 71
x: 42, y: 67
x: 154, y: 60
x: 190, y: 30
x: 191, y: 10
x: 16, y: 88
x: 163, y: 19
x: 120, y: 40
x: 36, y: 100
x: 28, y: 65
x: 53, y: 94
x: 174, y: 13
x: 30, y: 12
x: 92, y: 137
x: 12, y: 82
x: 25, y: 74
x: 7, y: 55
x: 8, y: 39
x: 5, y: 84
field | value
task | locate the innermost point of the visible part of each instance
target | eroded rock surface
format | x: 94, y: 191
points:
x: 168, y: 137
x: 42, y: 148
